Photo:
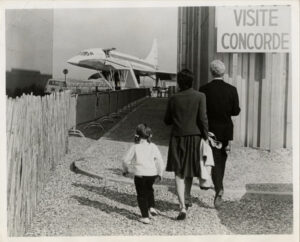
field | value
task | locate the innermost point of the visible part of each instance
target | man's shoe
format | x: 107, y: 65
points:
x: 220, y: 193
x: 218, y: 201
x: 187, y: 205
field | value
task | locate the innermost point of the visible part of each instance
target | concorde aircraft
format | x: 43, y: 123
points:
x: 129, y: 68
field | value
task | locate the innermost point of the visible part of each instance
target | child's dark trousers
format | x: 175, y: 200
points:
x: 145, y: 193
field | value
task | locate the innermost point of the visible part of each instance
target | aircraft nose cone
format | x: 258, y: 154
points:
x: 73, y: 60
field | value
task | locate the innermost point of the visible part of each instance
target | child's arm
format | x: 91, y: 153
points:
x: 127, y: 159
x: 159, y: 161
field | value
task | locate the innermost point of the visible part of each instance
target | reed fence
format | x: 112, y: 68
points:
x: 37, y: 138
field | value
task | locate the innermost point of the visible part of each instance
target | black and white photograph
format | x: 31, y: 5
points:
x: 149, y: 120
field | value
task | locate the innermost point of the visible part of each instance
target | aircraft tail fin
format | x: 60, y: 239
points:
x: 153, y: 54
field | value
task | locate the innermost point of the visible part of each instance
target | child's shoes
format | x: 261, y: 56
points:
x: 150, y: 215
x: 145, y: 220
x: 153, y: 212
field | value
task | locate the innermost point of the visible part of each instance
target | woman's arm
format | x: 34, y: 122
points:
x: 202, y: 117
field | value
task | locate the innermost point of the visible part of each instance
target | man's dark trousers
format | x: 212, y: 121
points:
x: 222, y: 103
x: 220, y: 157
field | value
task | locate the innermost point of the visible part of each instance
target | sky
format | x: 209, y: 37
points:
x: 29, y: 39
x: 130, y: 30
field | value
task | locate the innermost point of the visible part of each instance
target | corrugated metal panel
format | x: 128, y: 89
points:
x: 263, y: 81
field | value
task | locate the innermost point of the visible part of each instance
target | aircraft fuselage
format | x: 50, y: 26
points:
x: 97, y: 59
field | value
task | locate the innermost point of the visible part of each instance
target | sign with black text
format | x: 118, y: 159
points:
x: 253, y: 28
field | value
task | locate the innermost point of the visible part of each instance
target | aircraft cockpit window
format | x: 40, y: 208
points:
x: 84, y: 53
x: 91, y: 53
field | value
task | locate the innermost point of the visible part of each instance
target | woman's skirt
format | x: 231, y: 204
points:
x: 184, y: 155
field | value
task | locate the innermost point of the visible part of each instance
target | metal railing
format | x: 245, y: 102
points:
x: 93, y: 109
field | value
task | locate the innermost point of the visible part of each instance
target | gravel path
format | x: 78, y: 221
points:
x: 246, y: 167
x: 76, y: 205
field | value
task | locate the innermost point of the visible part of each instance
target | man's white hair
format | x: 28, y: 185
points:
x: 217, y: 68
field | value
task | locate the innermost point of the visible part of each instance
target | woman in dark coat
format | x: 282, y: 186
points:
x: 186, y: 112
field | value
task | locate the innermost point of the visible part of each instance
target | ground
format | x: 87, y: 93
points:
x: 257, y: 200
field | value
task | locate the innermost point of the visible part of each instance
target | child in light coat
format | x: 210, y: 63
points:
x: 148, y: 166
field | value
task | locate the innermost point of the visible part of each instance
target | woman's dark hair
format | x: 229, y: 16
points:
x: 185, y: 79
x: 142, y: 131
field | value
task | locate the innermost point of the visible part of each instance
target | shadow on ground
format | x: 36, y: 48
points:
x: 125, y: 198
x: 255, y: 213
x: 170, y: 185
x: 106, y: 208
